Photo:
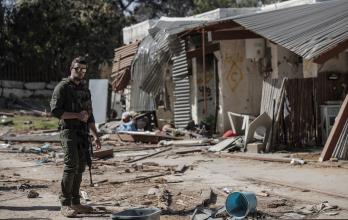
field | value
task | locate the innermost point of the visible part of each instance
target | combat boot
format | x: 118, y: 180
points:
x: 82, y: 209
x: 67, y: 211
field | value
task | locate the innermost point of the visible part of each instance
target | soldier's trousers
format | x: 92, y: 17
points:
x: 73, y: 144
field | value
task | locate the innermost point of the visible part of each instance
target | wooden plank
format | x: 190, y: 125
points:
x: 335, y: 132
x: 189, y: 151
x: 144, y: 137
x: 260, y: 158
x: 233, y: 35
x: 150, y: 155
x: 102, y: 153
x: 139, y: 178
x: 210, y: 48
x: 222, y: 145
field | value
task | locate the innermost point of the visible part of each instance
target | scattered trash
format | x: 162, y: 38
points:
x: 44, y: 160
x: 277, y: 203
x: 28, y: 122
x: 226, y: 190
x: 293, y: 215
x: 23, y: 186
x: 45, y: 148
x: 181, y: 168
x: 331, y: 213
x: 5, y: 145
x: 234, y: 142
x: 32, y: 194
x: 138, y: 213
x: 297, y: 162
x: 52, y: 154
x: 189, y: 142
x: 103, y: 153
x: 322, y: 207
x: 39, y: 150
x: 211, y: 199
x: 59, y: 155
x: 164, y: 199
x: 180, y: 202
x: 6, y: 122
x: 153, y: 191
x: 85, y: 195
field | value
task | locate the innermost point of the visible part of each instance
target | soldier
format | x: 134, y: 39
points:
x: 71, y: 103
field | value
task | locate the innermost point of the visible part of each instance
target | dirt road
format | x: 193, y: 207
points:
x: 176, y: 193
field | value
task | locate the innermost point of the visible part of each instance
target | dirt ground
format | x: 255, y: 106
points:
x: 283, y: 190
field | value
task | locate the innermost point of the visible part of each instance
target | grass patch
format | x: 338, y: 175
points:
x: 26, y: 123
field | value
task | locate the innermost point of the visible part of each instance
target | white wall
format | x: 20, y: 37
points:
x: 240, y: 82
x: 197, y: 90
x: 336, y: 64
x: 285, y: 63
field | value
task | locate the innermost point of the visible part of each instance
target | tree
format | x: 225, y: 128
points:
x: 149, y: 9
x: 49, y: 34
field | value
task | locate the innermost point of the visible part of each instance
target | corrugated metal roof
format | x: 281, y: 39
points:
x: 307, y: 30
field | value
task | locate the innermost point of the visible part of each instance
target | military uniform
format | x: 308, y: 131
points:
x: 71, y: 97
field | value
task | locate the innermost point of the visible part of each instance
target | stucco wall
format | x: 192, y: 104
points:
x: 197, y: 89
x: 336, y: 64
x: 285, y: 63
x: 240, y: 82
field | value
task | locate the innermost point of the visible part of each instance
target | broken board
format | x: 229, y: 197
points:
x: 223, y: 144
x: 335, y: 132
x: 33, y: 138
x: 144, y: 137
x: 262, y: 120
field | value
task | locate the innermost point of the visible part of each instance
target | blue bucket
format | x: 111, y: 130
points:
x: 240, y: 204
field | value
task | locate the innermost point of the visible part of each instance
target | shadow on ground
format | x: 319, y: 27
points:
x: 31, y: 208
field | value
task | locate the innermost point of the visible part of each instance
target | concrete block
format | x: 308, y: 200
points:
x: 255, y: 147
x: 51, y: 85
x: 12, y: 84
x: 35, y: 85
x: 20, y: 93
x: 43, y: 93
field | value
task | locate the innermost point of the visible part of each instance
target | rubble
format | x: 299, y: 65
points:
x: 32, y: 194
x: 103, y: 153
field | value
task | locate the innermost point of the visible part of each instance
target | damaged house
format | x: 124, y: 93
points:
x: 284, y: 70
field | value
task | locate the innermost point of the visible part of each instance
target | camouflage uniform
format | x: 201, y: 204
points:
x: 70, y: 97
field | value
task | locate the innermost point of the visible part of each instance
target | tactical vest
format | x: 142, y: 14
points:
x: 77, y: 99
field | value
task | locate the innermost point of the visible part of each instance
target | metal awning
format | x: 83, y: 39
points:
x: 307, y: 30
x: 314, y: 31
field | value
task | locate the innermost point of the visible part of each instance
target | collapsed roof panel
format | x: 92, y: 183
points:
x: 121, y: 67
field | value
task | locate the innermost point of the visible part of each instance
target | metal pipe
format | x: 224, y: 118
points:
x: 204, y: 79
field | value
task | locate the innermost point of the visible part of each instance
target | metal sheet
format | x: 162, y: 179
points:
x: 182, y: 104
x: 307, y: 30
x: 99, y: 92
